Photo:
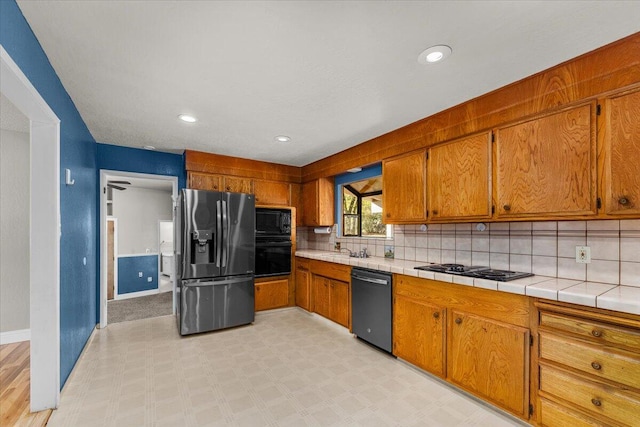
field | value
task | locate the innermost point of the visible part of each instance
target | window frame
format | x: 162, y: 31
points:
x: 359, y: 196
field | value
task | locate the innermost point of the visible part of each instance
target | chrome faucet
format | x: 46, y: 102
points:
x: 362, y: 254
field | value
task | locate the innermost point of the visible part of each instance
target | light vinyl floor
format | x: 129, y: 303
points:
x: 290, y: 368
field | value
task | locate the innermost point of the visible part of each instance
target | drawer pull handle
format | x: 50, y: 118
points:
x: 596, y: 366
x: 596, y: 402
x: 458, y: 321
x: 596, y: 333
x: 436, y: 315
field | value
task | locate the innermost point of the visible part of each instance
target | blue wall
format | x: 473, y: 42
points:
x: 78, y: 202
x: 115, y: 157
x: 129, y: 269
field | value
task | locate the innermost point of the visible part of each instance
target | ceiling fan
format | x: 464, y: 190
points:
x: 112, y: 184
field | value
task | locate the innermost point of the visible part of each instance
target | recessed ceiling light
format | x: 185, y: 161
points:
x: 149, y: 147
x: 282, y: 138
x: 434, y: 54
x: 187, y: 118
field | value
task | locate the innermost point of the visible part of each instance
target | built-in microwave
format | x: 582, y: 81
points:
x: 273, y: 222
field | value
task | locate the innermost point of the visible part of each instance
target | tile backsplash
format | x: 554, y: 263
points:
x: 544, y: 248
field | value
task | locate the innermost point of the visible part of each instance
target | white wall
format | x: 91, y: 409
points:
x: 166, y: 237
x: 138, y: 211
x: 14, y: 230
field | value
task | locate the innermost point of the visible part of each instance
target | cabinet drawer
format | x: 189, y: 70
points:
x: 599, y: 332
x: 339, y: 272
x: 611, y: 402
x: 554, y: 415
x: 619, y: 366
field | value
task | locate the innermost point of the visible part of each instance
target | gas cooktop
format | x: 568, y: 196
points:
x: 475, y: 271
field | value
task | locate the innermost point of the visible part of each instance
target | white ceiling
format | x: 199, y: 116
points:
x: 329, y: 74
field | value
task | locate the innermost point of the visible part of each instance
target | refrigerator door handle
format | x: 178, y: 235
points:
x: 225, y: 233
x: 204, y: 283
x: 218, y: 232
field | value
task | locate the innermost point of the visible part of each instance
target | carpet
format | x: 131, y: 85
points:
x: 140, y: 308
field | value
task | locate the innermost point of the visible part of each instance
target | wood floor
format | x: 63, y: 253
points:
x: 14, y: 388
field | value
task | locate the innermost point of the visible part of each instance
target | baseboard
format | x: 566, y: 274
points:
x: 15, y: 336
x: 137, y: 294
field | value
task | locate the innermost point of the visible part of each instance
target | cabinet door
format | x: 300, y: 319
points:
x: 235, y: 184
x: 418, y: 333
x: 318, y: 202
x: 272, y: 294
x: 459, y: 184
x: 204, y: 181
x: 547, y: 166
x: 339, y: 303
x: 491, y: 359
x: 271, y: 193
x: 321, y: 296
x: 622, y: 154
x: 296, y: 201
x: 404, y: 188
x: 302, y: 288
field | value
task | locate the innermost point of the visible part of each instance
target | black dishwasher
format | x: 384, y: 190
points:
x: 371, y: 305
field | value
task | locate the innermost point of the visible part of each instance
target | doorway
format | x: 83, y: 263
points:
x: 127, y: 206
x: 44, y: 263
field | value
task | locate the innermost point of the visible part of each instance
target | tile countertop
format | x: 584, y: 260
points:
x: 625, y: 299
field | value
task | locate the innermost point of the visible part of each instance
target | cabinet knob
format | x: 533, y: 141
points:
x: 507, y: 207
x: 596, y: 366
x: 228, y: 188
x: 596, y: 333
x: 623, y: 200
x: 436, y: 315
x: 458, y: 321
x: 388, y: 214
x: 596, y: 402
x: 435, y: 212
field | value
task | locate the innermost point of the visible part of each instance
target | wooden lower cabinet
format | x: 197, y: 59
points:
x: 303, y: 284
x: 474, y: 338
x: 331, y: 299
x: 589, y: 366
x: 339, y: 302
x: 490, y: 358
x: 271, y: 294
x: 321, y: 295
x: 419, y: 333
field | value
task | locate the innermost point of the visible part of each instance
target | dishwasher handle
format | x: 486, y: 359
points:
x: 370, y: 280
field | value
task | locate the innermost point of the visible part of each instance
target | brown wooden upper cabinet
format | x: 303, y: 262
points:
x: 271, y: 192
x: 235, y: 184
x: 317, y: 199
x: 404, y: 188
x: 204, y: 181
x: 546, y: 166
x: 212, y: 182
x: 621, y: 144
x: 459, y: 185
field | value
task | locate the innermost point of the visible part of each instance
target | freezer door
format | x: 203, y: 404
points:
x: 216, y: 304
x: 237, y: 252
x: 200, y: 233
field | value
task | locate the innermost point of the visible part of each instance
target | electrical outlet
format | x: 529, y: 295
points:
x: 583, y: 254
x: 139, y: 273
x: 149, y: 279
x: 336, y: 246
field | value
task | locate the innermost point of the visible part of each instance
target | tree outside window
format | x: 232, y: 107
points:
x: 362, y: 208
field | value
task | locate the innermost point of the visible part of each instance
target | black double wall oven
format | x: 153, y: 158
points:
x: 273, y: 242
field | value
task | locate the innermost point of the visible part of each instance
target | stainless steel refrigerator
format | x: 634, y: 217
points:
x: 214, y: 259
